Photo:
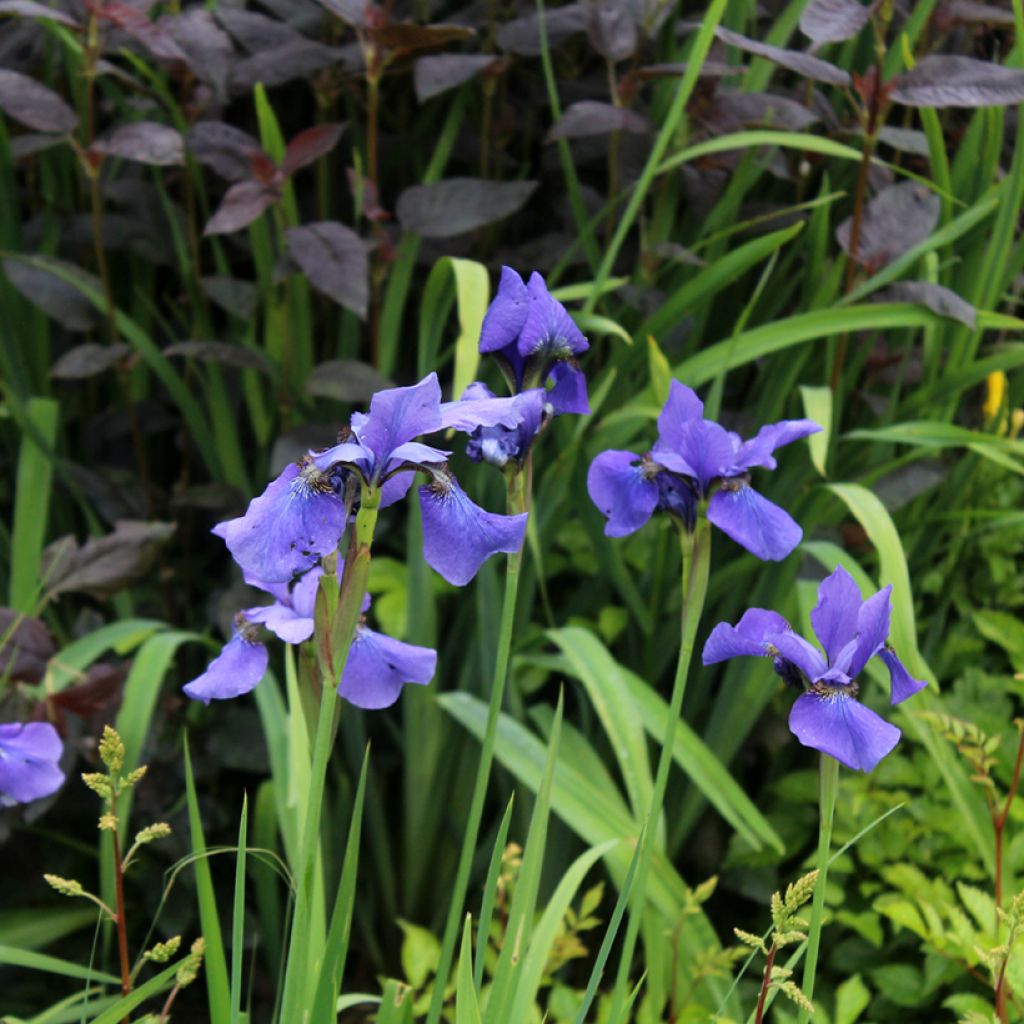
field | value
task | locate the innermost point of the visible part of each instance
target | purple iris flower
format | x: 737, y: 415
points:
x: 827, y: 715
x: 696, y: 460
x: 535, y: 340
x: 376, y: 669
x: 499, y: 445
x: 301, y: 515
x: 29, y: 756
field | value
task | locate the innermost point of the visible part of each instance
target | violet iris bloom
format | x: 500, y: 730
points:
x: 29, y: 756
x: 827, y: 716
x: 376, y: 669
x: 499, y: 445
x: 696, y: 460
x: 535, y: 340
x: 301, y: 515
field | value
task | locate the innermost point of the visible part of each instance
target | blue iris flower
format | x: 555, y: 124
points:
x: 827, y: 715
x: 696, y: 460
x: 29, y: 761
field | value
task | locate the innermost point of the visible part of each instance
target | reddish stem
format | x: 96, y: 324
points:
x: 766, y: 983
x: 999, y: 823
x: 122, y: 924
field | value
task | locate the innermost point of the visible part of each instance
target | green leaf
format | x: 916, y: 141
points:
x: 119, y: 637
x: 33, y: 929
x: 124, y: 1006
x: 238, y: 915
x: 396, y: 1003
x: 1003, y: 629
x: 467, y: 1006
x: 818, y: 407
x: 420, y: 953
x: 491, y: 892
x: 11, y: 956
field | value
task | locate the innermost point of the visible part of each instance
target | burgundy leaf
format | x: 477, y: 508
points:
x: 709, y: 69
x: 54, y: 295
x: 832, y: 21
x: 896, y: 220
x: 307, y: 147
x: 239, y: 298
x: 406, y: 36
x: 906, y: 140
x: 522, y: 35
x: 350, y: 11
x: 256, y: 32
x: 35, y: 105
x: 334, y: 259
x: 946, y: 81
x: 589, y: 117
x: 612, y: 30
x: 208, y: 47
x: 103, y: 683
x: 30, y: 143
x: 974, y: 13
x: 104, y: 565
x: 437, y: 74
x: 300, y: 58
x: 802, y: 63
x: 345, y: 380
x: 136, y: 23
x: 144, y: 141
x: 365, y: 193
x: 935, y: 297
x: 241, y: 205
x: 88, y: 360
x: 222, y: 352
x: 28, y: 647
x: 458, y: 205
x: 31, y: 9
x: 733, y: 110
x: 225, y: 148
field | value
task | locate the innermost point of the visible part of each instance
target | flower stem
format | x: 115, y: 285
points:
x: 122, y: 922
x: 827, y: 789
x: 696, y: 551
x: 766, y: 983
x: 518, y: 502
x: 299, y: 975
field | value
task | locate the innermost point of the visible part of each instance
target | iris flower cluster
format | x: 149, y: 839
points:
x: 697, y: 461
x: 29, y: 761
x: 301, y: 516
x: 827, y: 715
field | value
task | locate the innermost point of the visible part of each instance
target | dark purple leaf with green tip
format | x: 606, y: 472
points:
x: 832, y: 21
x: 896, y: 220
x: 458, y: 205
x: 89, y: 360
x: 522, y: 35
x: 225, y: 148
x: 345, y: 380
x: 30, y: 9
x: 935, y: 297
x: 238, y: 356
x: 802, y: 63
x: 611, y: 30
x: 437, y: 74
x: 334, y: 259
x: 947, y: 81
x: 590, y: 117
x: 34, y: 105
x: 27, y: 648
x: 241, y: 205
x: 56, y: 297
x: 144, y: 141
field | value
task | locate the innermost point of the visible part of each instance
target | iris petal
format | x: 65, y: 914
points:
x: 569, y: 394
x: 548, y: 328
x: 872, y: 628
x: 707, y: 448
x: 758, y: 450
x: 398, y: 415
x: 29, y: 756
x: 506, y: 314
x: 288, y: 527
x: 747, y: 638
x: 236, y: 670
x: 834, y: 617
x: 459, y: 536
x: 682, y: 405
x: 842, y: 727
x: 378, y: 667
x: 797, y: 651
x: 902, y: 683
x: 618, y: 487
x: 754, y: 522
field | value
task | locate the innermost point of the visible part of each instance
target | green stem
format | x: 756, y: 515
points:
x: 518, y: 501
x: 341, y: 626
x: 828, y: 787
x: 696, y: 550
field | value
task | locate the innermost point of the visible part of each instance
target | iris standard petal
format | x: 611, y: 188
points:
x: 396, y: 487
x: 792, y: 647
x: 548, y: 329
x: 754, y: 522
x: 348, y: 453
x: 758, y: 450
x: 414, y: 453
x: 459, y: 536
x: 838, y: 725
x: 506, y: 314
x: 284, y: 622
x: 624, y: 495
x: 288, y: 527
x: 569, y: 393
x: 398, y: 415
x: 681, y: 406
x: 706, y: 447
x: 901, y: 683
x: 29, y: 756
x: 872, y: 628
x: 468, y: 413
x: 236, y: 670
x: 747, y: 638
x: 378, y: 667
x: 834, y: 617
